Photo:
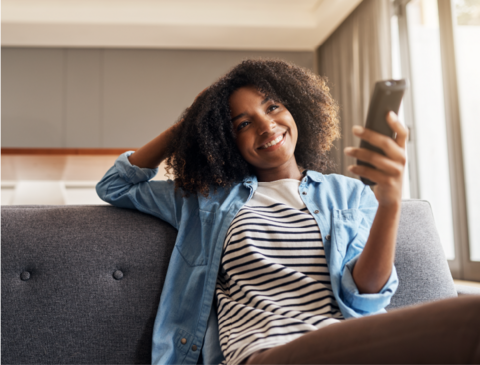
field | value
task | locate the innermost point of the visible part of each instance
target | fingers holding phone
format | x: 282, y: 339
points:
x: 401, y: 132
x: 383, y: 169
x: 393, y: 149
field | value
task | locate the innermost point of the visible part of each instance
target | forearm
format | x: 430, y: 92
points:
x: 374, y: 266
x: 154, y: 152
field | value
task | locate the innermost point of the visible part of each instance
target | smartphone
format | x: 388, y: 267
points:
x: 387, y: 96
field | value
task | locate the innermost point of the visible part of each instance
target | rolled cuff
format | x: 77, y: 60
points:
x: 366, y: 303
x: 130, y: 173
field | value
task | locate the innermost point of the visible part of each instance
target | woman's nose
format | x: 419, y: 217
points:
x: 265, y: 125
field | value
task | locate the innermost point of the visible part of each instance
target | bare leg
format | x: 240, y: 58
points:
x: 446, y: 331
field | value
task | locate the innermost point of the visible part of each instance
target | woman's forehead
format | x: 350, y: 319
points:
x: 248, y: 93
x: 245, y: 98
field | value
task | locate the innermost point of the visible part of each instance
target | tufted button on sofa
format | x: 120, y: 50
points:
x: 81, y: 284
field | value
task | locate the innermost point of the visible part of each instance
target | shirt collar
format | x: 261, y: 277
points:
x: 313, y: 175
x: 250, y: 181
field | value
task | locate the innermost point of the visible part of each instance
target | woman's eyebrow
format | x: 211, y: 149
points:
x: 243, y: 114
x: 265, y: 100
x: 238, y: 116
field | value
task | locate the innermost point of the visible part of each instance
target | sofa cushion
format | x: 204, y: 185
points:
x: 81, y: 284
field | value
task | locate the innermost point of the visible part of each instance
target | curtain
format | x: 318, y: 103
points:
x: 353, y: 58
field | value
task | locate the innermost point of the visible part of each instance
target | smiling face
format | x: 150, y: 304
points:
x: 266, y: 134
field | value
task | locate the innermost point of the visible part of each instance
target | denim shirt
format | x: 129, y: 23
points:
x: 186, y: 324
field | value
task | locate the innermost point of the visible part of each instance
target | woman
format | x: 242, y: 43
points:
x: 272, y: 256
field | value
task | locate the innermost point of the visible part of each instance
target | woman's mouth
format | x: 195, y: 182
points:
x: 273, y: 145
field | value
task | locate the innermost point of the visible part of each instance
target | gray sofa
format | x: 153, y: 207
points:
x: 81, y: 284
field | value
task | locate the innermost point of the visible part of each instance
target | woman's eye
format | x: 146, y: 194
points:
x: 272, y: 108
x: 242, y: 125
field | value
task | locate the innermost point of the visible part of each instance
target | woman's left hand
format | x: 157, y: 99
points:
x: 389, y: 168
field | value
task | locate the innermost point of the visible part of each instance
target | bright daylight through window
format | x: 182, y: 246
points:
x: 429, y: 114
x: 467, y: 42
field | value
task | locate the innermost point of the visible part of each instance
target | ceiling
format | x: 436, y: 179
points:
x: 282, y: 25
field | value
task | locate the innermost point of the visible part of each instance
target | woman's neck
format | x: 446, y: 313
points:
x: 287, y: 171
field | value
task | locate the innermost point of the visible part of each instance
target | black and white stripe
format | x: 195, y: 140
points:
x: 274, y: 283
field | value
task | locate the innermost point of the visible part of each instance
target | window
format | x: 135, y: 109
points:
x: 467, y: 42
x: 429, y: 115
x: 435, y: 46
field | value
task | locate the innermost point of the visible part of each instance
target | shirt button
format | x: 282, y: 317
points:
x: 304, y: 193
x: 328, y: 237
x: 194, y: 348
x: 317, y: 211
x: 183, y: 341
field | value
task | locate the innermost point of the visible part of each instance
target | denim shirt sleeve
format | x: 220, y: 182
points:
x: 128, y: 186
x: 365, y: 303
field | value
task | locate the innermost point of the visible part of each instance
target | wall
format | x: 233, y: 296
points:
x: 106, y: 98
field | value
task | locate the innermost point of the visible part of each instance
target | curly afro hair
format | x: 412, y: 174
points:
x: 203, y: 153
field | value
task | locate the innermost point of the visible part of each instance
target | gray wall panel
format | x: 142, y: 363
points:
x: 111, y: 98
x: 147, y: 90
x: 138, y: 103
x: 33, y: 97
x: 83, y: 98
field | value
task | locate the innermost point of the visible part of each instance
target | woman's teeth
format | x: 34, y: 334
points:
x: 273, y: 143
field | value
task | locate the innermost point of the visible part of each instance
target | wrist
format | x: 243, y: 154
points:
x: 395, y: 204
x: 389, y: 211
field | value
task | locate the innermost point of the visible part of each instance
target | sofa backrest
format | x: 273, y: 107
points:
x: 81, y: 284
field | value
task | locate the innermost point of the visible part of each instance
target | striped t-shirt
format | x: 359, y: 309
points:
x: 273, y: 285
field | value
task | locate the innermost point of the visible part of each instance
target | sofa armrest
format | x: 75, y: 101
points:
x: 467, y: 290
x: 423, y: 272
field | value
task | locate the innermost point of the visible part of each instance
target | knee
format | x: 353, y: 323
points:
x: 467, y: 310
x: 256, y: 358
